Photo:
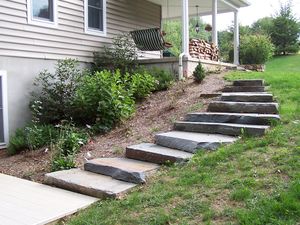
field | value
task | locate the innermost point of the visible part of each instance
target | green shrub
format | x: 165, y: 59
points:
x: 122, y: 55
x: 55, y: 92
x: 102, y: 100
x: 164, y: 78
x: 66, y: 146
x: 17, y: 142
x: 31, y: 137
x: 141, y: 84
x: 199, y: 73
x: 255, y: 49
x: 61, y: 162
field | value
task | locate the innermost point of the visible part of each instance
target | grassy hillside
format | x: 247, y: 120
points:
x: 254, y: 181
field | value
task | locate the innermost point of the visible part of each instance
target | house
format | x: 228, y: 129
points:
x: 35, y: 33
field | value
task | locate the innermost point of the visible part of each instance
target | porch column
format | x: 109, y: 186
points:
x: 214, y: 22
x: 184, y: 56
x: 185, y: 27
x: 236, y: 38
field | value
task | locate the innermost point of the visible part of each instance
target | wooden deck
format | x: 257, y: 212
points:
x: 24, y: 202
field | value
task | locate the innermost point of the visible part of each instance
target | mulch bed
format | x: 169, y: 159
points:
x: 154, y: 115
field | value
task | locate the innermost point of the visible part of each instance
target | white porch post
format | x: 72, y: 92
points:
x: 183, y: 58
x: 236, y: 38
x: 185, y: 27
x: 214, y: 22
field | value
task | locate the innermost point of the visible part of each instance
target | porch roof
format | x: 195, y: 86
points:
x: 173, y: 8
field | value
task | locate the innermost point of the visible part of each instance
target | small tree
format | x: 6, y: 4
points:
x: 122, y: 55
x: 52, y: 99
x: 199, y: 73
x: 286, y: 30
x: 263, y: 26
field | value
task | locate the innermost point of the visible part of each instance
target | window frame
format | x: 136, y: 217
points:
x: 4, y: 144
x: 86, y: 21
x: 41, y: 22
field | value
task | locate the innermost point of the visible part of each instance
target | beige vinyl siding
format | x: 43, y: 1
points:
x: 68, y: 38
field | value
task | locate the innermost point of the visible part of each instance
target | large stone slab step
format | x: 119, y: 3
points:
x: 243, y: 107
x: 243, y: 89
x: 88, y: 183
x: 240, y: 118
x: 247, y: 97
x: 191, y: 142
x: 221, y: 128
x: 248, y: 82
x: 157, y: 154
x: 128, y: 170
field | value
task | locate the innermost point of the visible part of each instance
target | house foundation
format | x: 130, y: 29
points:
x: 172, y: 65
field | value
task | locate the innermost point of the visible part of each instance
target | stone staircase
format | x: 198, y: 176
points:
x: 242, y: 108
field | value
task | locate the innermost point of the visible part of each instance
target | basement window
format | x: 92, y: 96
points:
x: 95, y: 17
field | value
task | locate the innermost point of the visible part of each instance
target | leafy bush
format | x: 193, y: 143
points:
x: 141, y: 84
x: 122, y: 55
x: 199, y: 73
x: 164, y: 78
x: 102, y: 99
x: 66, y: 146
x: 52, y: 102
x: 255, y: 49
x: 226, y: 45
x: 31, y: 137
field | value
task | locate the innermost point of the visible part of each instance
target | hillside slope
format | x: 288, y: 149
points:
x: 254, y: 181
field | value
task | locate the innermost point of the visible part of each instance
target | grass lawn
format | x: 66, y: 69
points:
x: 254, y: 181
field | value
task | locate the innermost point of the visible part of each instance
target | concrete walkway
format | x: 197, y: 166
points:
x: 24, y: 202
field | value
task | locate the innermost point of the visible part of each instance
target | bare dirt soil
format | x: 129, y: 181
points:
x: 154, y: 115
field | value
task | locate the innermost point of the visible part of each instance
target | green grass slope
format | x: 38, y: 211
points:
x: 254, y: 181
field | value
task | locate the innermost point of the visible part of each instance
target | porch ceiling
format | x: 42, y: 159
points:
x: 172, y: 8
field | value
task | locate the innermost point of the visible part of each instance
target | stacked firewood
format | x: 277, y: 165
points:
x: 203, y: 50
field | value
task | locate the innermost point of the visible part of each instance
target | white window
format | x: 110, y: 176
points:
x: 95, y: 17
x: 3, y: 110
x: 42, y: 12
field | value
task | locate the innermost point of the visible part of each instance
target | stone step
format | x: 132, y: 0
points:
x: 128, y: 170
x: 88, y: 183
x: 157, y: 154
x: 243, y: 107
x: 191, y: 142
x: 248, y: 82
x: 243, y: 89
x: 221, y: 128
x: 241, y: 118
x: 247, y: 97
x: 210, y: 95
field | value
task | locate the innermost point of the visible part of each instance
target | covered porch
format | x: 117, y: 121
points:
x: 184, y: 10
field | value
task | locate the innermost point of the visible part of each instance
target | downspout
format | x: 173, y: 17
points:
x: 180, y: 68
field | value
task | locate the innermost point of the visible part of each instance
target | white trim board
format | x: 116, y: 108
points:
x: 3, y: 74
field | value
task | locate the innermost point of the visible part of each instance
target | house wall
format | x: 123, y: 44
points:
x: 27, y: 49
x: 68, y: 39
x: 20, y: 76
